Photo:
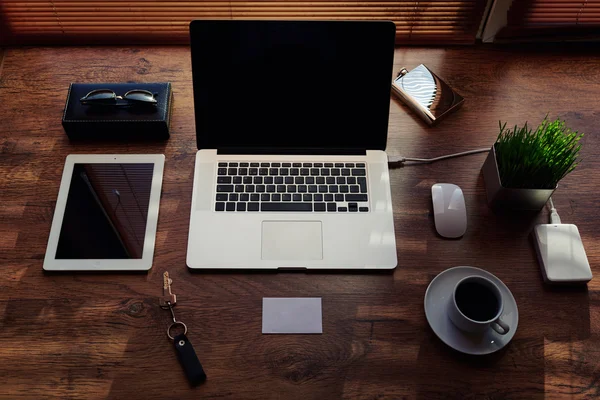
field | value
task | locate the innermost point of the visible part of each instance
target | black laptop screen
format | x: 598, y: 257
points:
x: 316, y: 85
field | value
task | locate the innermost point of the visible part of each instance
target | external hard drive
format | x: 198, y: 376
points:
x: 561, y: 254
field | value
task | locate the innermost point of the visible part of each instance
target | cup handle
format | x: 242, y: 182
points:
x: 500, y: 326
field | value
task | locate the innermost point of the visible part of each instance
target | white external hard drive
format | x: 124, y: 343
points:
x: 561, y: 254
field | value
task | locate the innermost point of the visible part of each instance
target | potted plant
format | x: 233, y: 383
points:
x: 524, y: 166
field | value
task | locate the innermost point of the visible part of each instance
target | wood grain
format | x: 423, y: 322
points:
x: 97, y: 336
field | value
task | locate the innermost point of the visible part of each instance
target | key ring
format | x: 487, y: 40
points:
x: 174, y: 324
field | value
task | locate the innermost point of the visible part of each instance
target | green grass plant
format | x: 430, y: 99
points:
x: 536, y: 159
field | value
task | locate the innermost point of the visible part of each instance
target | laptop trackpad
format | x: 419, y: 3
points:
x: 292, y: 240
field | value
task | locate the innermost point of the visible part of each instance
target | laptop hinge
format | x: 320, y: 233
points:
x: 293, y: 151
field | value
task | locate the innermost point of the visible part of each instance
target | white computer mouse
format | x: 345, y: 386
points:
x: 449, y: 210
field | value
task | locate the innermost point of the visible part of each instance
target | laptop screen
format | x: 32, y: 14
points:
x: 292, y: 86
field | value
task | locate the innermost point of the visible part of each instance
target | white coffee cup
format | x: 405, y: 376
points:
x: 479, y: 306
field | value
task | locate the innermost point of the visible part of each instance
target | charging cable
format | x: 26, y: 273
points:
x: 398, y: 161
x: 554, y: 218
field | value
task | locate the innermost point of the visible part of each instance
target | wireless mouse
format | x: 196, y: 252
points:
x: 449, y: 210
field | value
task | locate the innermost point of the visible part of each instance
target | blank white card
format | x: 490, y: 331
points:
x: 292, y: 315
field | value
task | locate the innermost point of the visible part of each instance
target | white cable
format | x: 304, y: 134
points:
x: 554, y: 218
x: 394, y: 160
x: 464, y: 153
x: 400, y: 160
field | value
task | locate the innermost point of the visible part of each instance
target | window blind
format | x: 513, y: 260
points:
x: 158, y: 21
x: 546, y: 19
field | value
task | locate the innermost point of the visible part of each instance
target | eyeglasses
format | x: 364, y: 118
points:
x: 107, y: 97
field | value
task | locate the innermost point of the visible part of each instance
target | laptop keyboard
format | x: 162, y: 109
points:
x: 292, y: 187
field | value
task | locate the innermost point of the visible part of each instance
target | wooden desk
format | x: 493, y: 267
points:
x: 96, y: 336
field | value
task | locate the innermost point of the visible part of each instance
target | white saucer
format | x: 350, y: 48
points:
x: 436, y: 300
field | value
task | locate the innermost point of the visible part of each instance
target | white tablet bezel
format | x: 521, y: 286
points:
x: 141, y: 264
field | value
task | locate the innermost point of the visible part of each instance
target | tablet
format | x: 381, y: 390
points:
x: 106, y: 213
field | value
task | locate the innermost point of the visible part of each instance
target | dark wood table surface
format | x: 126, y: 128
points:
x: 96, y: 336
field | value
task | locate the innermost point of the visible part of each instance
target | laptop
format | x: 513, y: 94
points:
x: 291, y: 128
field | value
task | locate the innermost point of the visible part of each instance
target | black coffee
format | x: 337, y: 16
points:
x: 477, y: 301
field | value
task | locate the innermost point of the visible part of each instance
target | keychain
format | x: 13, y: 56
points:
x: 185, y: 351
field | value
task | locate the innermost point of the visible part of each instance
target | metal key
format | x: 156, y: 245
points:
x: 167, y: 302
x: 168, y: 299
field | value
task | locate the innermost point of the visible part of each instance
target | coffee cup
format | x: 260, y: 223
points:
x: 476, y: 305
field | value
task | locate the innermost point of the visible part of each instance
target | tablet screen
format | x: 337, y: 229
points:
x: 106, y: 211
